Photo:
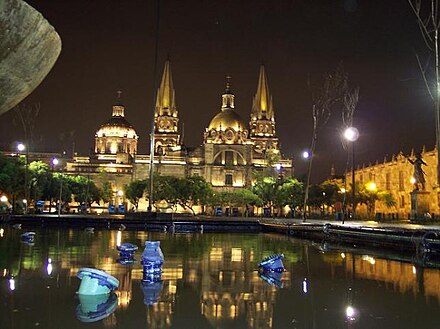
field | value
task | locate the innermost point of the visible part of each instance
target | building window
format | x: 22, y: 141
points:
x: 388, y: 181
x: 228, y: 180
x: 229, y: 158
x: 402, y: 201
x: 401, y: 181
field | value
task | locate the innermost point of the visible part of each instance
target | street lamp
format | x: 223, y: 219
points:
x: 307, y: 156
x: 54, y: 163
x: 351, y: 134
x: 21, y: 147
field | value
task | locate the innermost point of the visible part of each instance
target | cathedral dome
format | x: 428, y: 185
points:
x: 117, y: 135
x: 226, y: 127
x: 117, y: 126
x: 227, y: 118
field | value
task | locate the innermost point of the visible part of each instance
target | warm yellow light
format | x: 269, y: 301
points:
x: 343, y: 190
x: 120, y: 193
x: 4, y: 198
x: 371, y: 186
x: 412, y: 180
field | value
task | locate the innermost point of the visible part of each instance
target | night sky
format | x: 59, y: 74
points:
x: 108, y: 45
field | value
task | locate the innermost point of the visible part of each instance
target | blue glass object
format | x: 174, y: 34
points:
x: 28, y: 237
x: 273, y: 263
x: 272, y: 278
x: 96, y: 282
x: 151, y: 286
x: 93, y: 308
x: 152, y: 258
x: 127, y: 250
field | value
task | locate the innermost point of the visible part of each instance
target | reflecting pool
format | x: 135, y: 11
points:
x: 209, y: 281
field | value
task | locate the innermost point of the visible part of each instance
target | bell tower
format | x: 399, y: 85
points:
x: 166, y: 119
x: 262, y: 124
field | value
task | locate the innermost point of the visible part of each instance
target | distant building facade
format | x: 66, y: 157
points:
x: 395, y: 175
x: 231, y: 149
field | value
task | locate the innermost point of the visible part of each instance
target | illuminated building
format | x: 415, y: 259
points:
x: 230, y: 152
x: 394, y: 175
x: 116, y: 137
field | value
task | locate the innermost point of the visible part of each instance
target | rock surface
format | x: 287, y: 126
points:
x: 29, y: 47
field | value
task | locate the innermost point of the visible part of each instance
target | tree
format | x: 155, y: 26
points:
x: 265, y: 189
x: 331, y: 190
x: 39, y: 177
x: 164, y: 187
x: 289, y: 192
x: 107, y: 192
x: 368, y: 195
x: 135, y: 190
x: 331, y: 91
x: 12, y: 178
x: 193, y: 191
x: 240, y: 198
x: 83, y: 189
x: 26, y: 116
x: 428, y: 19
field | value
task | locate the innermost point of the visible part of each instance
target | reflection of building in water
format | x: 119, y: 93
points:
x: 231, y: 288
x: 225, y: 274
x: 399, y: 276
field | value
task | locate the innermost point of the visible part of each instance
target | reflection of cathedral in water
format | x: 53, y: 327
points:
x: 225, y: 277
x: 220, y: 274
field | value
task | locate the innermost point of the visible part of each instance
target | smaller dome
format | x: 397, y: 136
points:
x: 117, y: 127
x: 227, y: 118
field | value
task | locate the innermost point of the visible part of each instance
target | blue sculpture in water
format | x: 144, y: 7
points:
x: 273, y: 263
x: 28, y: 237
x: 152, y: 259
x: 93, y: 308
x: 126, y: 253
x: 272, y: 278
x: 151, y: 288
x: 96, y: 282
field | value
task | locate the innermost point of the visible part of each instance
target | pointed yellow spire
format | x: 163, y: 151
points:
x: 165, y: 101
x: 262, y: 108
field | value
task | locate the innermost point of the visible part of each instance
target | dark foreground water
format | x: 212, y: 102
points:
x: 210, y: 281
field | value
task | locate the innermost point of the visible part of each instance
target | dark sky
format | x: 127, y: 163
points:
x: 108, y: 45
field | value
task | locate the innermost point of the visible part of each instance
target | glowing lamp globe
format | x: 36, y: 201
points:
x: 351, y: 134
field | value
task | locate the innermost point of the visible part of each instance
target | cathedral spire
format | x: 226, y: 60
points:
x: 262, y: 124
x: 165, y: 101
x: 262, y: 107
x: 166, y: 120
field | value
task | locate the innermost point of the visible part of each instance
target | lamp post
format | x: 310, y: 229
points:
x: 54, y: 163
x: 21, y: 147
x: 307, y: 156
x: 351, y: 134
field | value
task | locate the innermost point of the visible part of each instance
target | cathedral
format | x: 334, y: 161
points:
x: 231, y: 151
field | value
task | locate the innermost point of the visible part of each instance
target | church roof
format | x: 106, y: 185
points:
x: 117, y: 125
x: 227, y: 118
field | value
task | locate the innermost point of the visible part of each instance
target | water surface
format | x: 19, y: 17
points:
x: 210, y: 281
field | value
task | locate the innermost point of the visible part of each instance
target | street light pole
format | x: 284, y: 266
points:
x: 23, y: 147
x: 351, y: 134
x: 353, y: 189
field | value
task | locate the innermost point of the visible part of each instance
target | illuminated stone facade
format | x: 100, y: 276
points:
x: 117, y: 135
x: 395, y: 175
x: 226, y: 159
x: 230, y: 151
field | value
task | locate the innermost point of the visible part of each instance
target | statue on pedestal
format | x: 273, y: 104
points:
x: 419, y: 174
